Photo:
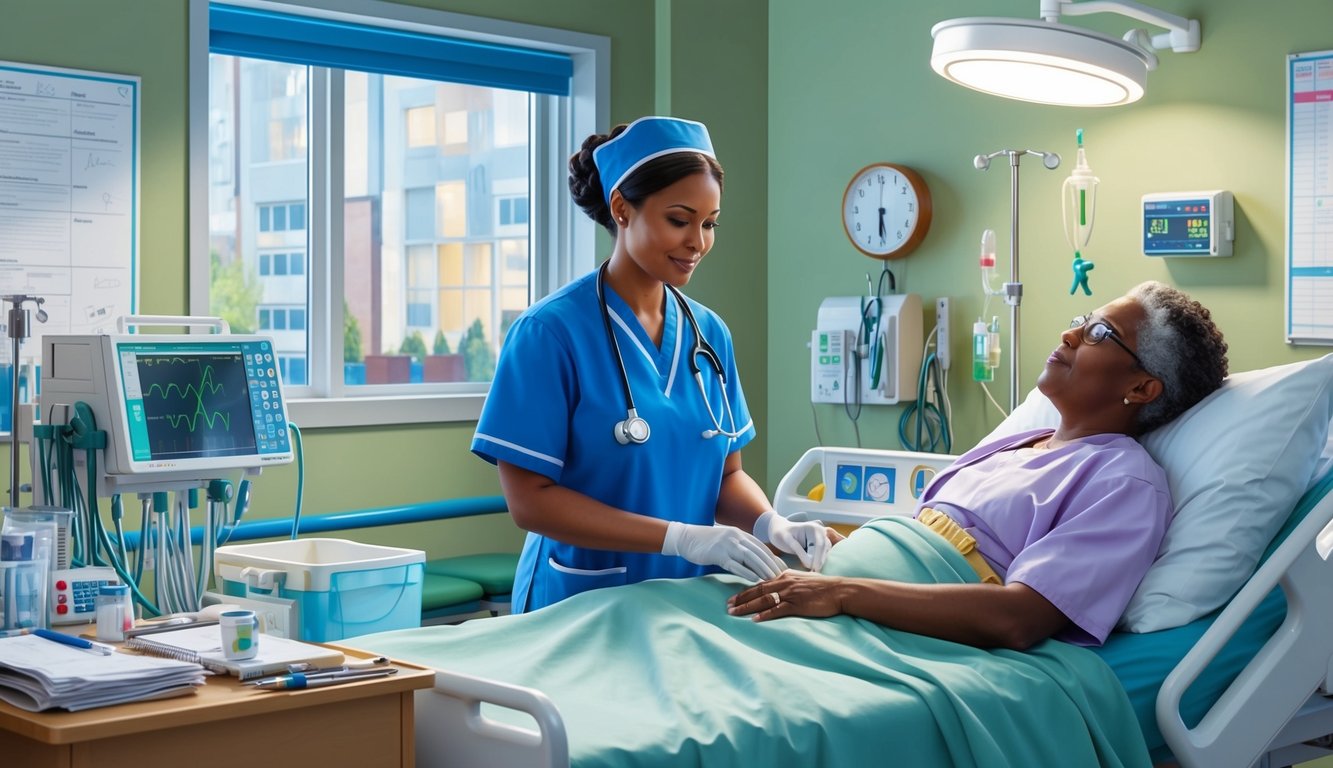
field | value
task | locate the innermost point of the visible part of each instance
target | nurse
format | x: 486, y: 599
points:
x: 621, y: 462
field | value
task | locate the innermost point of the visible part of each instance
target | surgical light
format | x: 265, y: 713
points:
x: 1047, y: 62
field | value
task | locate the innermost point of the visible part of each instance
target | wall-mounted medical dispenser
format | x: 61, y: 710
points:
x: 868, y: 346
x: 1188, y: 223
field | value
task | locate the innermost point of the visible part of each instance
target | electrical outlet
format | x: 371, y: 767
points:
x: 277, y: 616
x: 942, y: 331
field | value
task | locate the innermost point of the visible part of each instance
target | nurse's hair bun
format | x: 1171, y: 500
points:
x: 585, y: 183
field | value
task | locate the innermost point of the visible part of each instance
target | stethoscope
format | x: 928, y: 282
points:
x: 634, y: 429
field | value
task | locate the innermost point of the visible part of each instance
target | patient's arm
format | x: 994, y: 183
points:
x: 1013, y: 616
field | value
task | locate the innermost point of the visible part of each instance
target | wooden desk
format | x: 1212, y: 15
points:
x: 225, y: 724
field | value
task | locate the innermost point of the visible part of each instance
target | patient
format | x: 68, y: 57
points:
x: 1060, y: 525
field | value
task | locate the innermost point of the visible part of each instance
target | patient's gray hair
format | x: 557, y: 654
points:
x: 1179, y: 345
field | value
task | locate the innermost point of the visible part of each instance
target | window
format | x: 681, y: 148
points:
x: 281, y: 217
x: 436, y: 181
x: 281, y: 319
x: 271, y: 264
x: 513, y: 212
x: 420, y: 127
x: 292, y: 369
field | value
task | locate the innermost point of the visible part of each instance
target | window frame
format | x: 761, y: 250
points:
x: 556, y: 226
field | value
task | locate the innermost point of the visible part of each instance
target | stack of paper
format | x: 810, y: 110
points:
x: 38, y: 674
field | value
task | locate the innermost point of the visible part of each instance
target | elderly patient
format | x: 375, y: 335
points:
x: 1060, y: 525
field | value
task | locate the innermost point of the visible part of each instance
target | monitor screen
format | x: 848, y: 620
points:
x: 201, y: 400
x: 1177, y: 226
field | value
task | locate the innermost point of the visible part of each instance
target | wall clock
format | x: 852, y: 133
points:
x: 886, y: 210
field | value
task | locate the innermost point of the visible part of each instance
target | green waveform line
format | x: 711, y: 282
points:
x: 205, y: 383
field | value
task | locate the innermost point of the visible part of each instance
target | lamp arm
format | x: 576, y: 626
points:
x: 1182, y: 36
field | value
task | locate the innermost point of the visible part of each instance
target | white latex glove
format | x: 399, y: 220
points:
x: 808, y: 540
x: 731, y: 548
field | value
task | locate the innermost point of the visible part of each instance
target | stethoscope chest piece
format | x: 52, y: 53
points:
x: 632, y: 430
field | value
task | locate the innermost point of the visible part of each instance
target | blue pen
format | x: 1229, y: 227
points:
x: 76, y: 642
x: 297, y: 681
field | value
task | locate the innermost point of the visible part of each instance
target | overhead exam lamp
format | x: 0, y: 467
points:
x: 1047, y: 62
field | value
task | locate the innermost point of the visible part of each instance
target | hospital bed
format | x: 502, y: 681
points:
x: 1238, y: 681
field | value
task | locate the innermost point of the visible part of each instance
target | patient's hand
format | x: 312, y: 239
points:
x: 790, y: 593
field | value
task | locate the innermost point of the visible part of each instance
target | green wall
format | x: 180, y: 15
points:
x: 850, y: 84
x: 718, y: 72
x: 798, y: 97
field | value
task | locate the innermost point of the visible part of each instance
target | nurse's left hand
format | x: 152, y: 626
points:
x: 809, y: 541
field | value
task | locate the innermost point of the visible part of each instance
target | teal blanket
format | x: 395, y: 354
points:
x: 658, y: 674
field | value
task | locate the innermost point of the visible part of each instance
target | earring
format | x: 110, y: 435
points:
x: 1126, y: 401
x: 621, y: 221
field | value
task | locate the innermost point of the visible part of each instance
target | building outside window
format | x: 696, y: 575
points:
x: 435, y: 188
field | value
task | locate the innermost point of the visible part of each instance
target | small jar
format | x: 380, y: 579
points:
x: 115, y: 612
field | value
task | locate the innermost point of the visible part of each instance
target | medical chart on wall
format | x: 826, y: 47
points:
x: 1310, y: 198
x: 69, y: 198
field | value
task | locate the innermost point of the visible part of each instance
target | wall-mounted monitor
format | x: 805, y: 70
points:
x: 1188, y: 223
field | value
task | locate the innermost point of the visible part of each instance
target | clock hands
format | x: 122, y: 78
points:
x: 882, y: 230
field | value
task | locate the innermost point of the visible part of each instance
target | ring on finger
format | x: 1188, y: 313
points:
x: 777, y: 599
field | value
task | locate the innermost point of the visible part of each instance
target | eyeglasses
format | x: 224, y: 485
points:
x: 1096, y: 331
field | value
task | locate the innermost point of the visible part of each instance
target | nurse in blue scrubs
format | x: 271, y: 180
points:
x: 621, y: 462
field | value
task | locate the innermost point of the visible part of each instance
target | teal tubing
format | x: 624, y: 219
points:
x: 931, y: 424
x: 441, y: 509
x: 300, y: 476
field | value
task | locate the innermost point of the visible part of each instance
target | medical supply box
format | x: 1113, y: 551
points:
x: 341, y: 588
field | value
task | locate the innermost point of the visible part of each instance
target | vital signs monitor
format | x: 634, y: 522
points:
x: 1188, y: 223
x: 177, y: 404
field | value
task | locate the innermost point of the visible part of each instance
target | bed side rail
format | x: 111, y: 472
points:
x: 859, y: 483
x: 452, y: 731
x: 1240, y: 726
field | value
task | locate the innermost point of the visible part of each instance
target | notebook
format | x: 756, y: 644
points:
x: 203, y: 645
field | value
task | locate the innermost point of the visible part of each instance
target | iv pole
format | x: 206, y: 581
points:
x: 1013, y: 290
x: 19, y: 324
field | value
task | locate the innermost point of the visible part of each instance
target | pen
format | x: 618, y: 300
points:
x: 298, y: 681
x: 310, y: 670
x: 309, y: 673
x: 76, y: 642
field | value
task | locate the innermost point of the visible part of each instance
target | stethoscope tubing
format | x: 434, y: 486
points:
x: 701, y: 347
x: 610, y: 334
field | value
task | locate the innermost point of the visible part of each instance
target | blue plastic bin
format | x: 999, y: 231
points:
x: 341, y: 588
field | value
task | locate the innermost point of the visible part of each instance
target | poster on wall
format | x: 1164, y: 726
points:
x: 1309, y: 261
x: 69, y: 199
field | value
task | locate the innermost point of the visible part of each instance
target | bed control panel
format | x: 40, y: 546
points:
x: 855, y: 484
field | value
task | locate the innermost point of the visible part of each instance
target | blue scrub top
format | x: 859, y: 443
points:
x: 553, y: 403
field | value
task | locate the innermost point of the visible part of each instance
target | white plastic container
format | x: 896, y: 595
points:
x: 341, y: 588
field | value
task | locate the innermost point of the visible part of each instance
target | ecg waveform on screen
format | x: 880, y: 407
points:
x: 196, y: 405
x: 195, y: 393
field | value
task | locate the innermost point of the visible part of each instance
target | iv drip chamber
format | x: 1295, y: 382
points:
x: 1079, y: 200
x: 990, y: 280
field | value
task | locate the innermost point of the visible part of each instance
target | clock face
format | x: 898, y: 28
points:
x: 886, y: 210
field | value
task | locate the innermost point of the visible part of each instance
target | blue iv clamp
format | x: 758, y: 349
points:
x: 1081, y: 269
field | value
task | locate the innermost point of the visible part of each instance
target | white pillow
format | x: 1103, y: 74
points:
x: 1237, y: 463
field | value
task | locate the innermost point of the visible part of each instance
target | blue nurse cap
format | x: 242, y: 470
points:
x: 643, y: 140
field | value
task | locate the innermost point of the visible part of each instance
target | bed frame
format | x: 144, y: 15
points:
x: 1277, y: 712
